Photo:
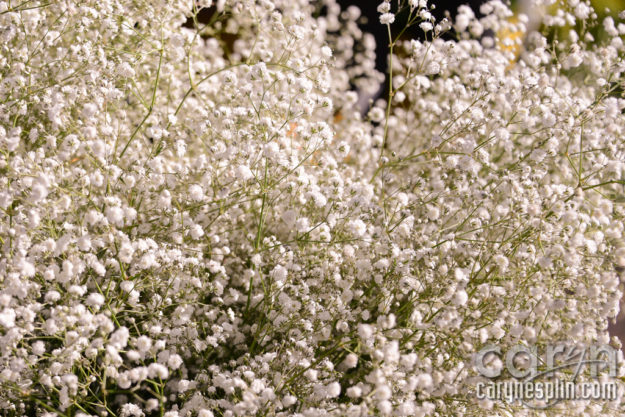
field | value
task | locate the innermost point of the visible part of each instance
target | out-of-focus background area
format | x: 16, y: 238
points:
x: 370, y: 16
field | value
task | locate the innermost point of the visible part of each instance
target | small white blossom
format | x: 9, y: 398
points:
x: 387, y: 18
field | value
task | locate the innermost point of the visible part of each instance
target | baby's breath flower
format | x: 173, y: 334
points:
x: 229, y: 219
x: 387, y: 18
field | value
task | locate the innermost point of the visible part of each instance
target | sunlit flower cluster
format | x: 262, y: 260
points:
x: 197, y: 219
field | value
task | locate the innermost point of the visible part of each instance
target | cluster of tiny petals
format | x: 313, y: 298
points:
x: 197, y: 220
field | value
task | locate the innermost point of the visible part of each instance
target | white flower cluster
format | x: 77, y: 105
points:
x: 197, y: 221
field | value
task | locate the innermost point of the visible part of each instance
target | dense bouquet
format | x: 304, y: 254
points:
x: 197, y: 219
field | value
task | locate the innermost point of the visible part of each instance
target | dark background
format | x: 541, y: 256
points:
x: 371, y: 21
